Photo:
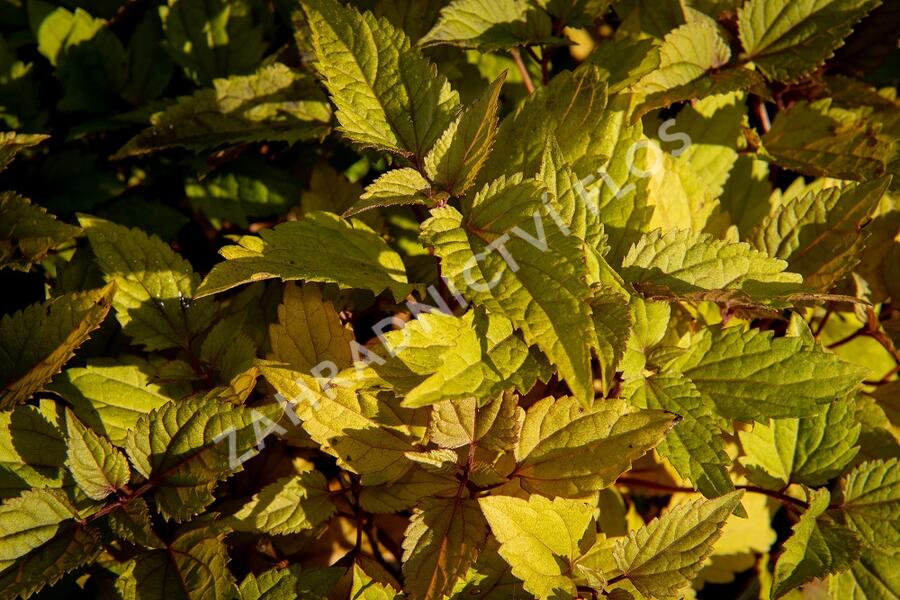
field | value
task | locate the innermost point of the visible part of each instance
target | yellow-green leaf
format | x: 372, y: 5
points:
x: 568, y: 450
x: 98, y: 467
x: 663, y: 556
x: 787, y: 40
x: 321, y: 247
x: 288, y: 505
x: 816, y: 548
x: 541, y: 539
x: 871, y: 503
x: 387, y: 94
x: 309, y: 331
x: 155, y: 287
x: 28, y: 232
x: 440, y: 544
x: 38, y: 340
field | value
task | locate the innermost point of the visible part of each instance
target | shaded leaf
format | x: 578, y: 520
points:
x: 274, y: 104
x: 28, y: 232
x: 309, y: 331
x: 189, y: 446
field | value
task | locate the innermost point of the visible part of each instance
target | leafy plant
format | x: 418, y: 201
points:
x: 516, y: 298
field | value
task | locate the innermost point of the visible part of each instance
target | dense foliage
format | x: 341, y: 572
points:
x: 516, y: 298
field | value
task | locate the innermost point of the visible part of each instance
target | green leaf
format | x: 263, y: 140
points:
x: 442, y: 357
x: 88, y: 56
x: 493, y: 426
x: 38, y: 340
x: 288, y: 505
x: 30, y: 521
x: 656, y: 19
x: 247, y: 189
x: 649, y: 320
x: 815, y: 549
x: 28, y: 232
x: 320, y: 248
x: 567, y: 450
x: 787, y: 41
x: 811, y: 450
x: 682, y: 262
x: 366, y: 588
x: 612, y: 323
x: 291, y: 583
x: 573, y: 108
x: 879, y: 260
x: 694, y: 446
x: 820, y: 233
x: 537, y: 280
x: 724, y: 81
x: 622, y: 189
x: 309, y: 331
x: 407, y: 491
x: 817, y: 138
x: 40, y: 542
x: 541, y: 539
x: 490, y: 577
x: 440, y: 544
x: 274, y: 104
x: 415, y: 18
x: 12, y: 143
x: 714, y: 128
x: 685, y: 55
x: 155, y: 287
x: 625, y: 60
x: 149, y: 67
x: 132, y: 523
x: 388, y: 96
x: 110, y: 395
x: 22, y: 110
x: 752, y: 376
x: 873, y: 577
x: 397, y: 187
x: 215, y: 38
x: 97, y: 466
x: 458, y: 155
x: 32, y: 451
x: 680, y: 198
x: 573, y: 209
x: 367, y: 434
x: 871, y: 503
x: 191, y: 567
x: 227, y: 349
x: 663, y: 556
x: 189, y: 446
x: 490, y: 24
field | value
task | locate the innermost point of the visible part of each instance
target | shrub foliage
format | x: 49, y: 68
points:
x: 515, y: 298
